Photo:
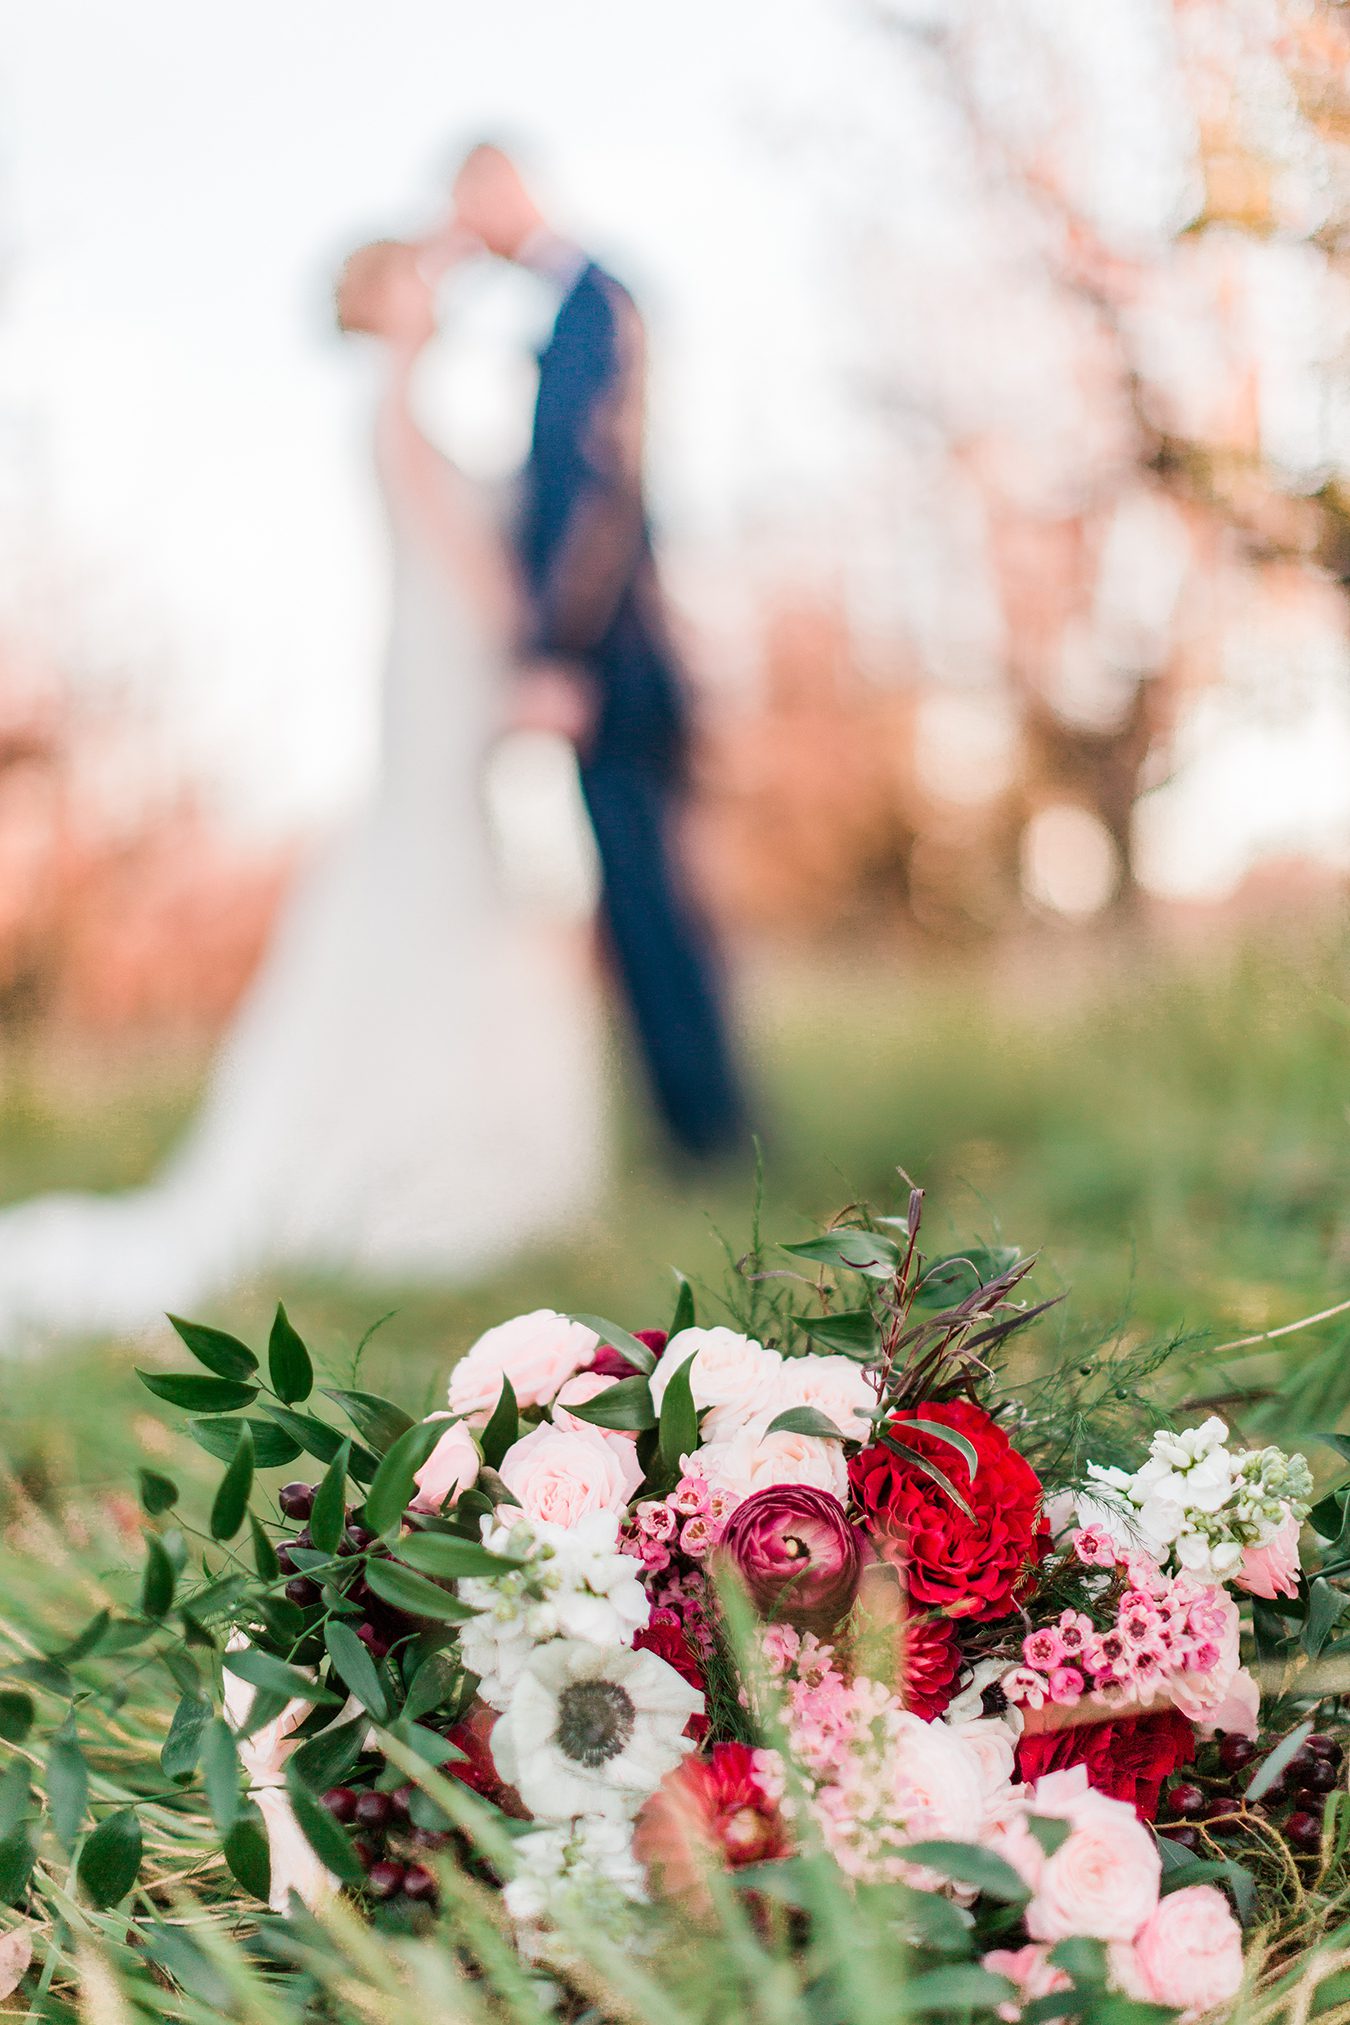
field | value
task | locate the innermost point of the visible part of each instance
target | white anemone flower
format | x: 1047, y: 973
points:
x: 591, y: 1730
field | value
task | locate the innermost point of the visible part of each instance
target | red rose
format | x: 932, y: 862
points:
x: 612, y: 1363
x: 967, y: 1566
x: 930, y: 1663
x: 1127, y: 1759
x: 664, y: 1636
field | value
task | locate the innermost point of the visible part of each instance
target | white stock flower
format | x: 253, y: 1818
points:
x: 590, y: 1731
x: 574, y: 1874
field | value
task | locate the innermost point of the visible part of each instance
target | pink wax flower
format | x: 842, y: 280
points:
x: 722, y: 1502
x: 1137, y: 1618
x: 656, y: 1519
x: 690, y: 1497
x: 1066, y: 1684
x: 1272, y: 1570
x: 798, y: 1555
x: 697, y: 1537
x: 1075, y: 1630
x: 655, y: 1555
x: 1043, y: 1649
x: 1026, y: 1687
x: 1094, y: 1547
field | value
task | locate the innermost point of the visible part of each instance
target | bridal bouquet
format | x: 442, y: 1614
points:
x: 641, y: 1625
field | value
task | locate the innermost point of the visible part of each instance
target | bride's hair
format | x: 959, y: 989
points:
x: 361, y: 280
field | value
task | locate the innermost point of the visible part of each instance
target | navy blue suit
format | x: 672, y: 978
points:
x: 585, y: 547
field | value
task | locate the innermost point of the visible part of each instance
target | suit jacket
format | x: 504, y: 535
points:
x: 584, y: 537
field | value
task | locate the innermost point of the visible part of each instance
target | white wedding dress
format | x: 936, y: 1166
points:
x: 412, y: 1089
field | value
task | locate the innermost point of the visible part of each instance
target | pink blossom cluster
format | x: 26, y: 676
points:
x: 1102, y: 1881
x: 1164, y: 1627
x: 877, y: 1776
x: 688, y: 1521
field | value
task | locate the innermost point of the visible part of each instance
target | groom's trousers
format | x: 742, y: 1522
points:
x: 664, y: 956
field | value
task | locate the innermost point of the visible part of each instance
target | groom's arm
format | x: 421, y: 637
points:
x: 602, y: 537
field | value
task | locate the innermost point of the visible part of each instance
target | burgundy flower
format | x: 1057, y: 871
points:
x: 797, y: 1554
x: 477, y: 1768
x: 1127, y: 1758
x: 612, y: 1363
x: 930, y: 1664
x: 966, y: 1563
x: 710, y: 1809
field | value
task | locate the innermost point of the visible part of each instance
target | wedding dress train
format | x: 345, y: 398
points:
x: 412, y: 1088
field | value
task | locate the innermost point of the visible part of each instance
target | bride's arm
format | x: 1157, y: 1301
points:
x: 432, y: 495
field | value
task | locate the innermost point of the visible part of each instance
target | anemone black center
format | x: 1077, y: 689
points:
x: 595, y: 1720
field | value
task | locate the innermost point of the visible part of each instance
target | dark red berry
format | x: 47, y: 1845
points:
x: 431, y: 1838
x: 296, y: 1500
x: 300, y: 1590
x: 340, y: 1802
x: 372, y: 1810
x: 363, y: 1851
x: 1221, y: 1817
x: 304, y: 1539
x: 1184, y: 1833
x: 385, y: 1879
x: 285, y: 1560
x: 356, y: 1539
x: 419, y: 1884
x: 1188, y: 1802
x: 1319, y: 1776
x: 1236, y: 1752
x: 401, y: 1799
x: 1304, y: 1831
x: 376, y: 1646
x: 1325, y: 1747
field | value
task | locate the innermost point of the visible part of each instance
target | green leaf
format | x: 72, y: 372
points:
x: 1081, y: 1957
x: 1326, y: 1606
x: 626, y: 1404
x: 288, y: 1361
x: 85, y: 1641
x: 16, y: 1795
x: 806, y: 1420
x: 264, y: 1553
x: 223, y: 1354
x: 856, y: 1251
x: 157, y: 1492
x: 395, y: 1480
x: 248, y: 1855
x: 957, y: 1986
x: 198, y: 1395
x: 1049, y: 1832
x: 111, y: 1858
x: 329, y: 1516
x: 356, y: 1669
x: 431, y: 1687
x: 966, y: 1449
x: 949, y: 1281
x: 17, y: 1857
x: 398, y: 1585
x: 220, y: 1774
x: 273, y: 1448
x: 321, y: 1441
x: 1271, y: 1766
x: 503, y: 1429
x: 231, y: 1500
x: 182, y: 1747
x: 637, y: 1353
x: 379, y: 1420
x: 679, y: 1418
x: 929, y: 1469
x: 967, y: 1864
x: 446, y: 1555
x: 1183, y: 1868
x: 326, y: 1758
x: 16, y: 1715
x: 67, y: 1785
x: 264, y: 1670
x: 683, y: 1318
x: 321, y: 1832
x: 851, y: 1333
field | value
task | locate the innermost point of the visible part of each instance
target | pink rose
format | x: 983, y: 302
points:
x: 834, y: 1386
x: 798, y: 1555
x: 755, y: 1462
x: 1103, y: 1879
x: 1189, y: 1950
x: 1272, y: 1570
x: 450, y: 1469
x: 737, y: 1378
x: 1030, y: 1969
x: 560, y: 1474
x: 537, y: 1352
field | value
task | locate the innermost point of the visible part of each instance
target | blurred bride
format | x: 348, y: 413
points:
x: 411, y: 1090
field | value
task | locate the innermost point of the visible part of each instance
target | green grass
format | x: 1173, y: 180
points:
x: 1172, y: 1136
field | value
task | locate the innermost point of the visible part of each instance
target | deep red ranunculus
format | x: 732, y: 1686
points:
x: 612, y: 1363
x: 1127, y: 1758
x: 798, y: 1554
x: 930, y: 1663
x: 664, y: 1636
x: 709, y: 1808
x: 963, y: 1565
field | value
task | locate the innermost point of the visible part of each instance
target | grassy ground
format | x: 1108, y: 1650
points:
x: 1172, y: 1134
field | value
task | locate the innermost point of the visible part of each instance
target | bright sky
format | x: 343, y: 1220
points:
x: 177, y: 184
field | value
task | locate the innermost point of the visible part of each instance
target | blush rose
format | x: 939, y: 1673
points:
x: 537, y: 1352
x: 450, y: 1469
x: 559, y: 1474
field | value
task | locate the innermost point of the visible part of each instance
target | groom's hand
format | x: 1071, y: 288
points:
x: 554, y: 696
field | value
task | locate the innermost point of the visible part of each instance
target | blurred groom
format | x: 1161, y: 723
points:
x: 599, y: 658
